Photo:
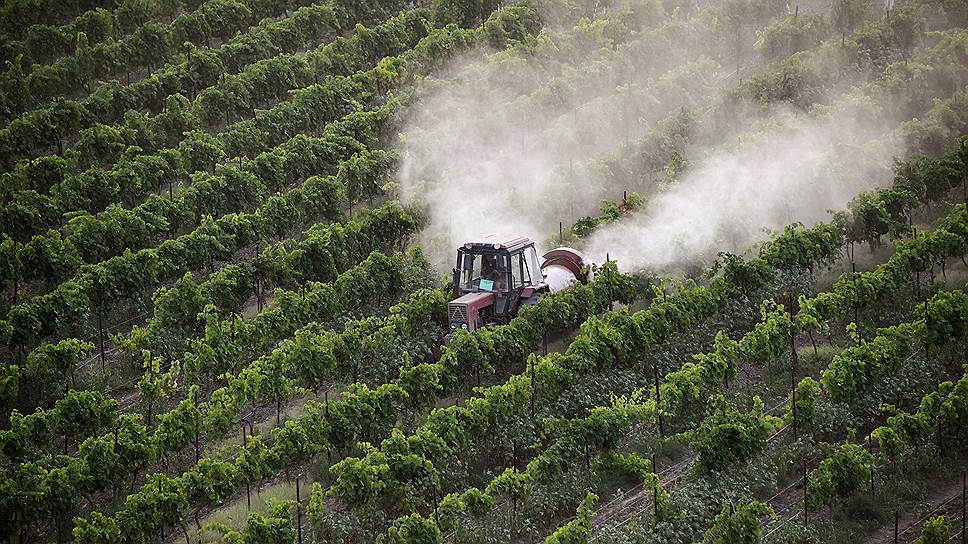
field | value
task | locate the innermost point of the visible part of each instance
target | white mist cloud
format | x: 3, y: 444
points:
x: 794, y: 172
x: 491, y: 150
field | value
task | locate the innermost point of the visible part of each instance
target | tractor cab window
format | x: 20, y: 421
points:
x: 520, y: 270
x: 493, y: 273
x: 471, y: 271
x: 534, y: 266
x: 483, y: 273
x: 525, y: 269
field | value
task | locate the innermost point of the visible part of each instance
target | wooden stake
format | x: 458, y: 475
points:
x: 433, y: 497
x: 806, y: 484
x: 514, y: 453
x: 607, y: 260
x: 927, y: 325
x: 853, y: 270
x: 298, y: 512
x: 793, y: 382
x: 248, y: 491
x: 655, y: 490
x: 534, y: 388
x: 940, y: 438
x: 870, y: 449
x: 658, y: 404
x: 895, y: 526
x: 100, y: 333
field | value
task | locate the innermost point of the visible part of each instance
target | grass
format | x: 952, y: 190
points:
x: 234, y: 515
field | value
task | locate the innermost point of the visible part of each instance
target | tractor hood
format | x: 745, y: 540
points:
x: 478, y: 300
x: 466, y: 312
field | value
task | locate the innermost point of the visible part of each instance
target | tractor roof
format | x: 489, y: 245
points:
x: 495, y: 241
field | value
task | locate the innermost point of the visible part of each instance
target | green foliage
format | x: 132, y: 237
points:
x: 578, y: 530
x: 510, y: 483
x: 851, y: 371
x: 475, y: 502
x: 841, y: 474
x: 412, y: 529
x: 807, y: 393
x: 341, y: 168
x: 799, y: 247
x: 728, y: 436
x: 273, y: 527
x: 940, y: 410
x: 154, y: 44
x: 935, y: 531
x: 50, y: 368
x: 945, y: 317
x: 942, y: 319
x: 739, y: 525
x: 610, y: 212
x: 792, y: 34
x: 849, y: 14
x: 632, y: 464
x: 684, y: 390
x: 211, y: 480
x: 465, y: 13
x: 119, y: 179
x: 511, y: 24
x: 99, y: 529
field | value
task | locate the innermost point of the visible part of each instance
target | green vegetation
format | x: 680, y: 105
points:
x: 220, y: 276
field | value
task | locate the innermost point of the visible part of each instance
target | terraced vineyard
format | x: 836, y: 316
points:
x: 227, y: 304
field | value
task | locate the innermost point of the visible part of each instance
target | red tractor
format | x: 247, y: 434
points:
x: 495, y: 276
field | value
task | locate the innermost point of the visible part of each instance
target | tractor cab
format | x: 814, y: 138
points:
x: 493, y: 277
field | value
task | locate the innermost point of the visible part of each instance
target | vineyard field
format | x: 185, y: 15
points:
x: 484, y: 271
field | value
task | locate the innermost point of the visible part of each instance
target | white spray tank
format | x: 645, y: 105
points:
x: 563, y: 268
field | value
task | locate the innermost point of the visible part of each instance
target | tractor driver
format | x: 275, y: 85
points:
x: 490, y: 271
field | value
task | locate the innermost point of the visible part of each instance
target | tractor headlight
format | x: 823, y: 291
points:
x: 463, y: 325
